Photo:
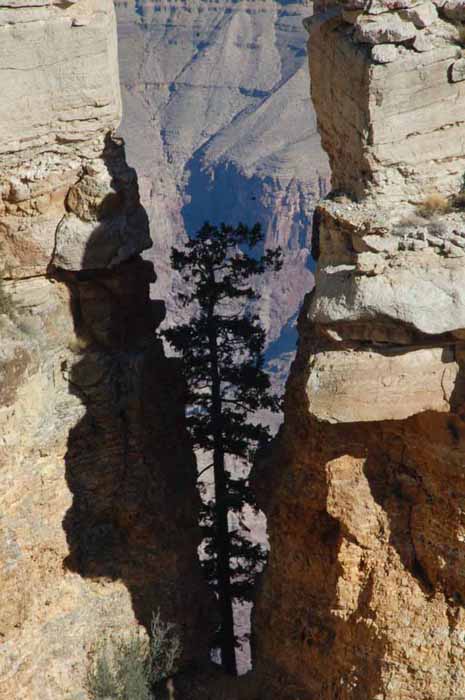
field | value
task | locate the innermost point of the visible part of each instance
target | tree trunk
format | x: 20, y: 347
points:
x: 222, y: 538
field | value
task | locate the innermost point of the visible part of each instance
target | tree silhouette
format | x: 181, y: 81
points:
x: 222, y: 348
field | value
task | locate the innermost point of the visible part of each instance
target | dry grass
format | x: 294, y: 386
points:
x: 434, y: 205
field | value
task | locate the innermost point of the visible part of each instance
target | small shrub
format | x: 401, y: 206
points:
x: 458, y: 200
x: 120, y: 670
x: 101, y: 679
x: 7, y: 304
x: 128, y: 668
x: 133, y: 671
x: 78, y: 345
x: 166, y: 649
x: 433, y: 205
x: 409, y: 220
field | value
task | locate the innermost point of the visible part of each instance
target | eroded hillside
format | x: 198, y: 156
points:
x: 220, y: 126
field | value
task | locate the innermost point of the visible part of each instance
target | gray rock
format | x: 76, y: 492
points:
x: 457, y: 71
x: 422, y: 15
x: 405, y: 293
x: 383, y: 29
x: 384, y: 53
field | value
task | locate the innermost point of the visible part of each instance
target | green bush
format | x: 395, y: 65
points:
x: 101, y: 678
x: 128, y: 668
x: 165, y: 649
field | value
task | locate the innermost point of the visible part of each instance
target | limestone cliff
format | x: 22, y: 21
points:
x: 98, y: 504
x: 364, y: 595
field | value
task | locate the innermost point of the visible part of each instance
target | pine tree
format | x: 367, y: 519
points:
x: 222, y: 349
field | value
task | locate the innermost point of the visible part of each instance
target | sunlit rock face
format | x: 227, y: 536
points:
x: 364, y: 594
x: 219, y: 124
x: 397, y: 134
x: 98, y: 505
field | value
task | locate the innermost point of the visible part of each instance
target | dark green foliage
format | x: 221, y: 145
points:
x: 133, y: 669
x: 222, y: 348
x: 247, y: 558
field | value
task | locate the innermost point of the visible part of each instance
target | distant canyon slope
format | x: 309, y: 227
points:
x: 218, y: 123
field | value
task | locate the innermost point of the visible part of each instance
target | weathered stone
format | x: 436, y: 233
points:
x: 404, y: 291
x: 378, y: 135
x: 341, y: 390
x: 452, y: 9
x: 386, y: 53
x: 422, y: 43
x: 383, y: 29
x: 365, y: 484
x: 422, y: 15
x: 457, y: 71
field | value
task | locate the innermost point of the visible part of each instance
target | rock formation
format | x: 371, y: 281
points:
x: 98, y: 505
x: 364, y: 594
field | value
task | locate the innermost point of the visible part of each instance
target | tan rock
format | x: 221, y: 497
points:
x: 98, y: 503
x: 355, y: 386
x: 378, y: 134
x: 383, y: 29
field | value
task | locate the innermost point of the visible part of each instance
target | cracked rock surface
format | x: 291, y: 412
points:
x: 364, y: 597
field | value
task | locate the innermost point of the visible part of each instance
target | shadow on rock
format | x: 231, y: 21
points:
x: 129, y: 464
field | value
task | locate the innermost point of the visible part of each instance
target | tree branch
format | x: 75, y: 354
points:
x: 203, y: 471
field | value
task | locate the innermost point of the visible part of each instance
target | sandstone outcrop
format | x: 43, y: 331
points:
x: 98, y: 505
x: 363, y: 598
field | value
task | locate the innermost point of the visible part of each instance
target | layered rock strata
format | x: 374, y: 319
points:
x: 389, y: 93
x: 98, y: 505
x: 219, y: 124
x: 364, y: 594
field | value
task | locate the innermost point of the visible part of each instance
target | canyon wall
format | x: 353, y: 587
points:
x: 364, y: 594
x: 98, y: 505
x: 219, y: 124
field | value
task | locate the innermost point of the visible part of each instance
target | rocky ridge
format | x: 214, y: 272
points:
x: 364, y: 491
x: 98, y: 505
